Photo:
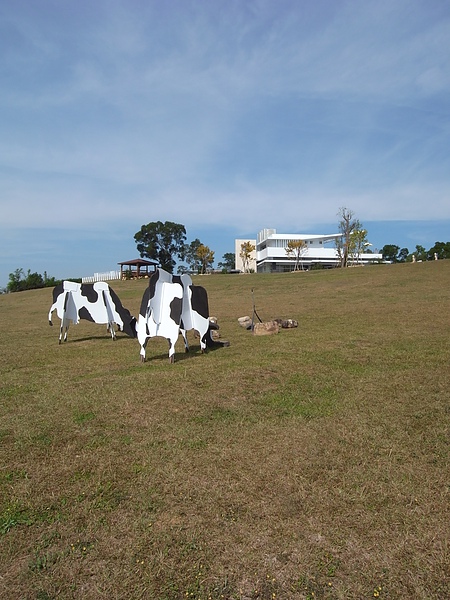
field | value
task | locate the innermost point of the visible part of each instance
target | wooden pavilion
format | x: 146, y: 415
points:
x: 137, y: 268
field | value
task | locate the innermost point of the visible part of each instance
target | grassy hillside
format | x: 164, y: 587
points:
x: 310, y: 464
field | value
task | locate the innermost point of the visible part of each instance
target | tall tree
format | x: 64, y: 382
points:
x: 347, y: 225
x: 191, y: 256
x: 206, y: 258
x: 358, y: 244
x: 246, y: 251
x: 390, y: 252
x: 16, y: 283
x: 403, y: 255
x: 296, y: 248
x: 421, y: 253
x: 441, y: 249
x: 229, y: 261
x: 162, y: 242
x: 34, y: 281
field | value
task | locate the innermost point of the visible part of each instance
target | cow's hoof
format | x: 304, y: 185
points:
x: 171, y: 359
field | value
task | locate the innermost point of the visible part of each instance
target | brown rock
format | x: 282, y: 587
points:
x: 266, y: 328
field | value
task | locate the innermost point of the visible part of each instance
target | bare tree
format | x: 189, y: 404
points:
x: 347, y: 225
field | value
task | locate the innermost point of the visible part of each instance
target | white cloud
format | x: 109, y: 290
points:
x: 263, y: 114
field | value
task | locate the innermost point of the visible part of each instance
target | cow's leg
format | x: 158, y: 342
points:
x: 184, y: 334
x: 142, y: 353
x: 202, y: 342
x: 202, y: 335
x: 171, y: 350
x: 111, y: 329
x: 61, y: 330
x: 65, y: 329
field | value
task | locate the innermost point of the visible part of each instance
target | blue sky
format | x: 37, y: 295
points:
x: 226, y: 116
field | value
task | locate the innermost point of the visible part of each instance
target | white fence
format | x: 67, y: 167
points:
x: 110, y: 276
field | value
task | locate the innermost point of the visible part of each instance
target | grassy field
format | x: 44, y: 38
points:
x: 313, y: 464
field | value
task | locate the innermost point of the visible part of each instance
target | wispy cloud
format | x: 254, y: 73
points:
x: 261, y: 113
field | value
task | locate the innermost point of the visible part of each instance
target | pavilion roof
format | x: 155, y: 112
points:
x: 138, y: 261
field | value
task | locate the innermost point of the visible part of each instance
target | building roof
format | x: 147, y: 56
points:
x: 138, y: 261
x: 303, y: 236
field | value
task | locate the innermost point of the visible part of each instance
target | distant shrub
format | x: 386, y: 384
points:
x: 19, y: 282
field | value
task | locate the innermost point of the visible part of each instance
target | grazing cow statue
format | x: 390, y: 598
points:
x: 172, y: 304
x: 160, y: 312
x: 96, y: 302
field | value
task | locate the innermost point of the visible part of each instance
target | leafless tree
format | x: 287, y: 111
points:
x: 347, y: 225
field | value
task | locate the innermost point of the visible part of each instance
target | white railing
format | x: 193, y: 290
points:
x: 110, y: 276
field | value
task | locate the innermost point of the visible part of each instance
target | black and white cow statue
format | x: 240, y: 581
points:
x: 172, y: 304
x: 195, y: 313
x: 160, y: 312
x: 96, y: 302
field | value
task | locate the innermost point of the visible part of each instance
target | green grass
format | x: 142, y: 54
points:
x: 309, y: 464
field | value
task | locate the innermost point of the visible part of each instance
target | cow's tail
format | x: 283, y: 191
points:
x: 57, y: 291
x: 50, y: 315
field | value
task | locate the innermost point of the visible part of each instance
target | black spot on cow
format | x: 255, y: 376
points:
x: 145, y: 300
x: 57, y: 291
x: 152, y: 286
x: 199, y: 300
x: 83, y: 313
x: 87, y: 290
x: 128, y: 321
x: 175, y: 309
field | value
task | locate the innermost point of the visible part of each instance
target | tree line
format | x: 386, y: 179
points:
x: 353, y: 242
x: 395, y: 254
x: 20, y: 281
x: 166, y: 242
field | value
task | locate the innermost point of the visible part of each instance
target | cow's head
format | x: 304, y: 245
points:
x: 208, y: 338
x: 130, y: 327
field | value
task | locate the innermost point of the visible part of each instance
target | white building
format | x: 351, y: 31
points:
x: 271, y: 255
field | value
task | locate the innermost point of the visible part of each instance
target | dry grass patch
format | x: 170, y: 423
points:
x: 311, y: 464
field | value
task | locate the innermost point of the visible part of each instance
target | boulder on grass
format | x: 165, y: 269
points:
x: 266, y: 328
x: 245, y: 322
x: 287, y: 323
